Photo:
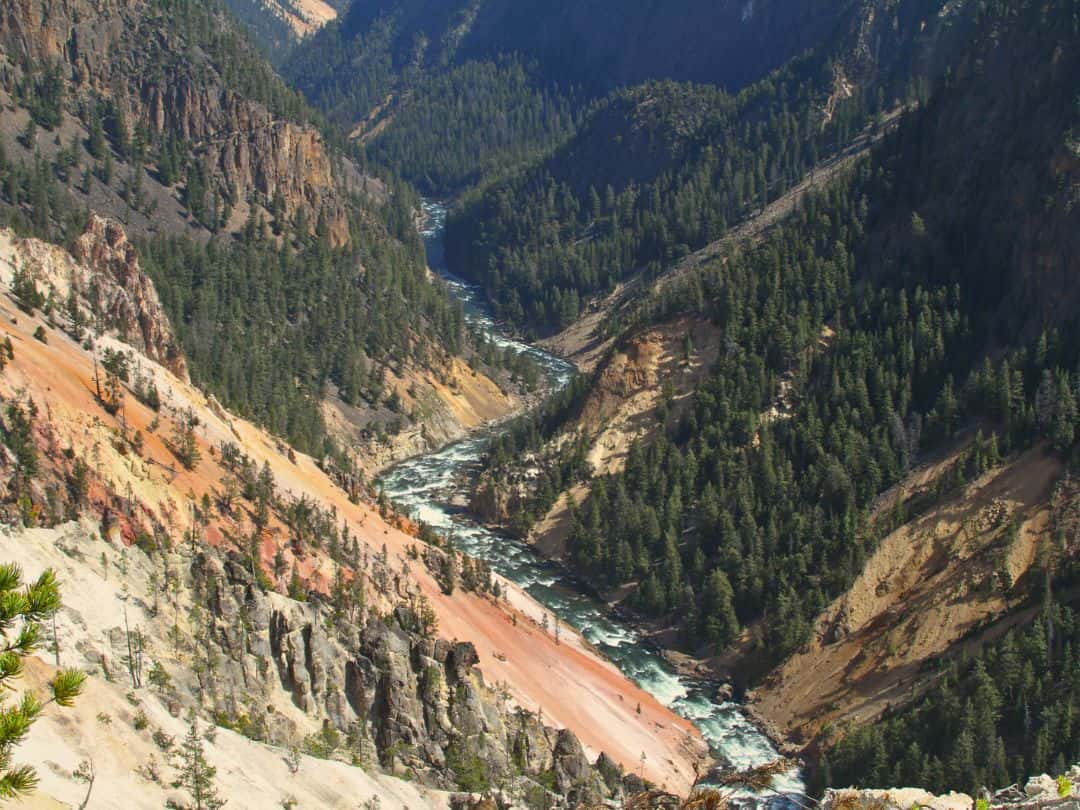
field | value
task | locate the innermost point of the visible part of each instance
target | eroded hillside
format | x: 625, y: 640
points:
x: 862, y: 503
x: 195, y: 518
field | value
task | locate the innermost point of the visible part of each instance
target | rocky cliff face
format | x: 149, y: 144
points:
x: 77, y: 32
x: 234, y: 119
x: 102, y: 271
x: 380, y: 694
x: 497, y: 499
x: 251, y: 153
x: 415, y: 703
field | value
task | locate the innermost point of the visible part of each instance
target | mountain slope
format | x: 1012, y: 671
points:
x: 601, y: 44
x: 314, y: 287
x: 197, y: 519
x: 909, y: 329
x: 454, y: 94
x: 180, y: 106
x: 662, y: 169
x: 276, y: 24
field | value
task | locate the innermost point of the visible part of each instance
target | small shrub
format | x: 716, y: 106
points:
x: 1064, y: 787
x: 140, y: 722
x: 164, y: 741
x: 104, y: 719
x: 150, y: 771
x: 145, y: 542
x: 159, y: 677
x: 323, y: 744
x: 469, y: 769
x: 293, y: 759
x: 39, y: 334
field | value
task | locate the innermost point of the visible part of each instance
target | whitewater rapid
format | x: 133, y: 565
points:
x: 426, y: 487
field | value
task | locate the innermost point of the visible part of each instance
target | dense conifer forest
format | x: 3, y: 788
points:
x: 553, y: 237
x: 269, y: 330
x: 732, y: 518
x: 444, y: 127
x: 273, y: 317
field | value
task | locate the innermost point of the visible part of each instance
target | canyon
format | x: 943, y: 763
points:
x: 139, y: 489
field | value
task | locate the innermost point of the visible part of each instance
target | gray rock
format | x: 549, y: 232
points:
x: 399, y: 696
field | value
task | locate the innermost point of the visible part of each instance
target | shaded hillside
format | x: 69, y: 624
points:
x: 659, y: 170
x: 444, y: 125
x: 290, y: 274
x: 455, y: 94
x: 919, y: 307
x: 468, y: 125
x: 603, y: 44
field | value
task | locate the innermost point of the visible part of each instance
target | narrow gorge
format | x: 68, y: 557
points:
x: 434, y: 488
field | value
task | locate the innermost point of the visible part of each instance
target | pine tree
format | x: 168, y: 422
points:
x: 95, y: 144
x: 721, y: 625
x: 22, y: 609
x: 1065, y: 414
x: 24, y: 288
x: 296, y: 585
x: 196, y: 774
x: 183, y: 443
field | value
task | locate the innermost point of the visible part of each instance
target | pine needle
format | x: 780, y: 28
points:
x: 758, y: 779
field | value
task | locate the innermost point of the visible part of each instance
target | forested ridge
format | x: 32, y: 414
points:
x: 268, y: 330
x: 600, y: 45
x: 444, y: 126
x: 662, y: 169
x: 469, y: 125
x: 456, y: 95
x: 272, y: 315
x: 918, y: 304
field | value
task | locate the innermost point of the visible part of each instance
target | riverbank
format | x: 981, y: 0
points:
x: 622, y: 691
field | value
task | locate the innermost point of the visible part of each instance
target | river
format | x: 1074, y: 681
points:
x: 426, y: 486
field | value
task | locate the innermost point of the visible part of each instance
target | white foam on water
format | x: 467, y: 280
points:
x: 435, y: 518
x: 661, y: 683
x: 609, y: 635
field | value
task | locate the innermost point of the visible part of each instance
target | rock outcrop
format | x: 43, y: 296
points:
x: 227, y: 111
x: 119, y: 291
x: 498, y: 499
x: 1043, y: 791
x: 416, y: 704
x: 102, y: 270
x: 250, y: 152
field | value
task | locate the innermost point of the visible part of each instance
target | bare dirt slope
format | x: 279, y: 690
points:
x: 623, y: 405
x: 573, y: 685
x: 303, y: 16
x: 932, y: 583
